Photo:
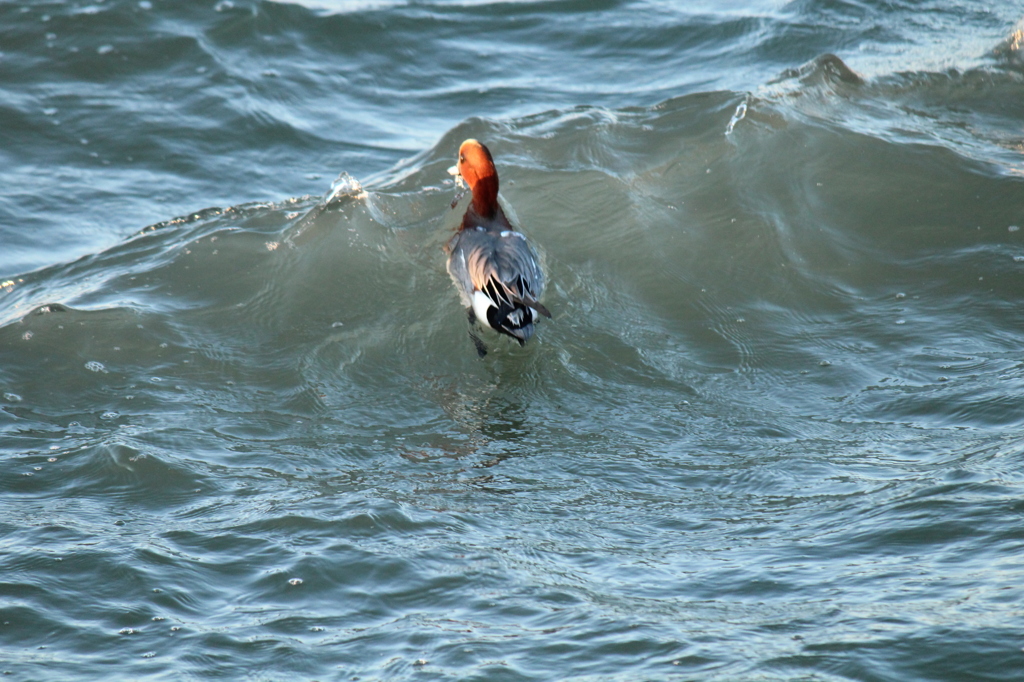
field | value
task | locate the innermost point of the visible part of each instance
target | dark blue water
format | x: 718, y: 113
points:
x: 773, y: 431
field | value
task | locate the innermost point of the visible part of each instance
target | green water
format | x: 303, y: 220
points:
x: 771, y: 432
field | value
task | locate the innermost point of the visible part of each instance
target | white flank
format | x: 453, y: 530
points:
x: 480, y: 305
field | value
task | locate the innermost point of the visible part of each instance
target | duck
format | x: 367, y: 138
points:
x: 494, y: 267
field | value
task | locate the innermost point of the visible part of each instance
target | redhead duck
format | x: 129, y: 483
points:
x: 494, y: 268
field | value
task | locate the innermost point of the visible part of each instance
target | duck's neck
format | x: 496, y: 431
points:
x: 485, y: 196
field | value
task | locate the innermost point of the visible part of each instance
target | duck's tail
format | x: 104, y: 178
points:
x: 508, y: 310
x: 515, y: 320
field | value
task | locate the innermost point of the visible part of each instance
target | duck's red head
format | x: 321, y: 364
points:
x: 477, y: 168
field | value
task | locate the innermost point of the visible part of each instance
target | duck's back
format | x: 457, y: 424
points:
x: 479, y: 253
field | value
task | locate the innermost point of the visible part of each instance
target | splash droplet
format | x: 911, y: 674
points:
x: 94, y: 366
x: 344, y: 185
x: 738, y: 115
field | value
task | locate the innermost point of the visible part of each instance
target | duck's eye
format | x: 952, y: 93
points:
x: 462, y: 158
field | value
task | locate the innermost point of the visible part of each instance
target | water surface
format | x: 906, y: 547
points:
x: 772, y: 432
